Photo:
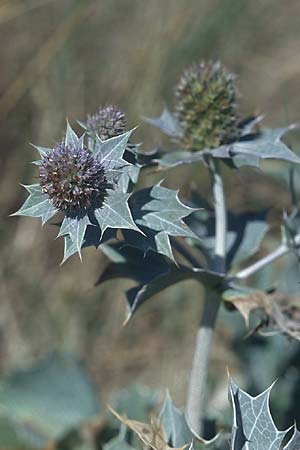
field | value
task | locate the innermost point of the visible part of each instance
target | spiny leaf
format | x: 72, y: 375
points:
x: 36, y: 205
x: 112, y: 150
x: 115, y: 212
x: 166, y: 123
x: 253, y: 235
x: 159, y: 213
x: 176, y: 429
x: 294, y: 442
x: 151, y: 436
x: 71, y: 137
x: 75, y: 227
x: 152, y: 272
x: 129, y: 174
x: 253, y: 427
x: 265, y: 145
x: 250, y: 150
x: 92, y: 238
x: 42, y: 150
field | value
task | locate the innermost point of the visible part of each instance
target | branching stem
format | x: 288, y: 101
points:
x: 198, y: 380
x: 282, y: 250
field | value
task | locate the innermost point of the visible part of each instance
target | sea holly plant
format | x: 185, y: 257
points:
x: 157, y: 239
x: 82, y: 179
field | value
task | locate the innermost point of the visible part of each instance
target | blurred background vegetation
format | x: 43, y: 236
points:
x: 65, y: 58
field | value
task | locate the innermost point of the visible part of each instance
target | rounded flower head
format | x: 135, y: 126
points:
x: 72, y: 178
x: 205, y: 106
x: 107, y: 122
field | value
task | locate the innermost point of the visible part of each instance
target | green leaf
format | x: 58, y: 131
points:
x: 115, y: 212
x: 253, y: 426
x: 51, y: 398
x: 166, y: 123
x: 75, y: 227
x: 36, y: 205
x: 176, y: 430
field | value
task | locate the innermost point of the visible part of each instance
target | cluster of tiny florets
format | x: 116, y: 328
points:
x: 108, y: 122
x: 205, y: 106
x: 72, y: 178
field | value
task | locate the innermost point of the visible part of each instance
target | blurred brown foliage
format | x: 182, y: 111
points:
x: 64, y: 58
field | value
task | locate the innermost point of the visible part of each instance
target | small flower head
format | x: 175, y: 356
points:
x: 205, y: 106
x: 107, y: 122
x: 72, y: 178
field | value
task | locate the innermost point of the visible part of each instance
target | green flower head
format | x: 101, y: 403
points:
x: 205, y: 106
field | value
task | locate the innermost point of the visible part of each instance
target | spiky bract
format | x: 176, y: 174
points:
x: 72, y: 178
x: 205, y: 106
x: 107, y: 122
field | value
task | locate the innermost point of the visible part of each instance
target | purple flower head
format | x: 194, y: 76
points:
x: 107, y: 122
x: 72, y: 178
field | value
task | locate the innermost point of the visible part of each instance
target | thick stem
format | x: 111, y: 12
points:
x: 220, y: 217
x: 197, y: 388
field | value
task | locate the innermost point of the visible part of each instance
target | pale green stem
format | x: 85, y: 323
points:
x: 282, y: 250
x: 197, y: 389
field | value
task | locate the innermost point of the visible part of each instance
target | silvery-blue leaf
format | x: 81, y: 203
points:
x: 176, y: 430
x: 128, y: 175
x: 159, y: 213
x: 249, y: 125
x: 176, y: 158
x: 75, y: 227
x: 71, y: 137
x: 115, y: 212
x: 36, y: 205
x: 92, y: 238
x: 253, y: 426
x: 253, y: 235
x: 111, y: 151
x: 166, y: 212
x: 42, y: 150
x: 163, y: 244
x: 294, y: 442
x: 166, y: 123
x: 246, y: 160
x: 265, y: 145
